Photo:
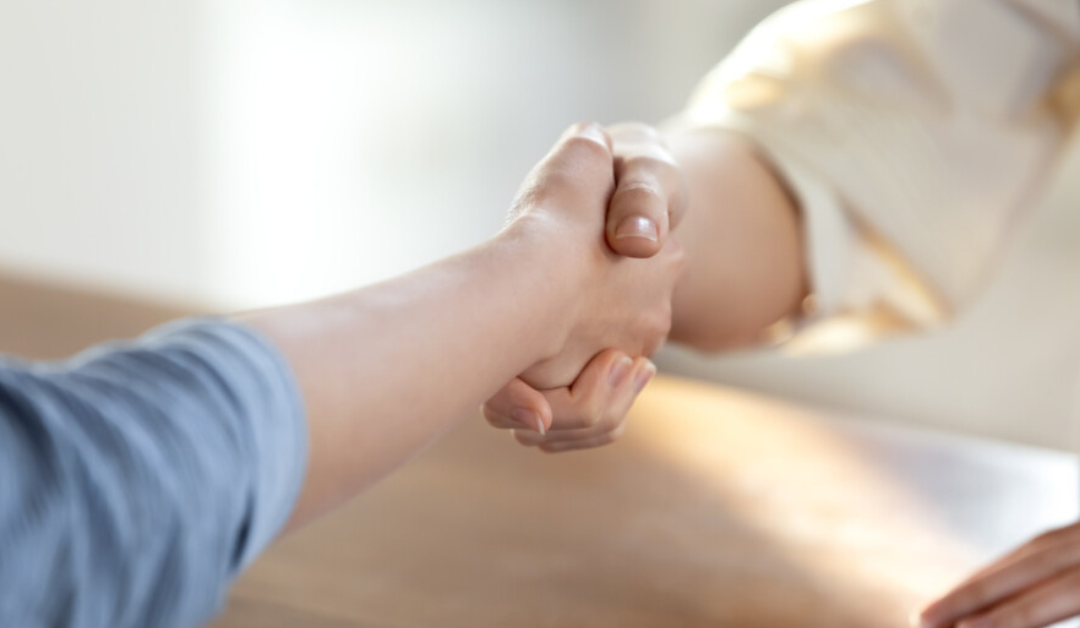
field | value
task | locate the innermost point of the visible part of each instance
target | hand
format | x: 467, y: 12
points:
x: 588, y: 414
x: 652, y: 193
x: 619, y: 303
x: 1036, y: 585
x: 650, y: 199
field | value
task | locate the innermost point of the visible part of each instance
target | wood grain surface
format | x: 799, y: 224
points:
x: 718, y: 508
x: 45, y: 321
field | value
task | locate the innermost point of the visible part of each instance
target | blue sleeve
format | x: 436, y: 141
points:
x: 136, y: 481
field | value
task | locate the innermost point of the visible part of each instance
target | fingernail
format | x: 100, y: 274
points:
x: 528, y: 419
x: 644, y: 376
x: 637, y: 227
x: 619, y: 371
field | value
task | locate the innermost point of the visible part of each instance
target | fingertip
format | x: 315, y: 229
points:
x: 645, y: 374
x: 619, y: 370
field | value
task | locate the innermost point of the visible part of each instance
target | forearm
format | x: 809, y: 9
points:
x: 743, y: 240
x: 386, y: 369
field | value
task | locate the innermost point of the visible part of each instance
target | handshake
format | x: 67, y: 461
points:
x: 600, y: 206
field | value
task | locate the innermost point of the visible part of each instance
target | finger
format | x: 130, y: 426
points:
x: 614, y: 419
x: 580, y: 404
x: 607, y: 427
x: 582, y: 155
x: 1060, y: 537
x: 650, y: 194
x: 1046, y: 604
x: 591, y: 131
x: 580, y: 163
x: 600, y: 440
x: 583, y: 404
x: 1067, y: 537
x: 518, y: 406
x: 991, y: 586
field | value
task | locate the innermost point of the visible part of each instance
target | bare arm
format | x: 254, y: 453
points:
x: 384, y: 370
x: 743, y: 240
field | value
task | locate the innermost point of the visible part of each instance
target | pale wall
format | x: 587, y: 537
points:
x: 235, y: 153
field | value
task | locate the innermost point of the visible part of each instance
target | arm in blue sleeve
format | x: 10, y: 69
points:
x: 136, y: 481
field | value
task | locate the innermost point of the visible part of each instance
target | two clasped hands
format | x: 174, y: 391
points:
x: 552, y: 322
x: 620, y: 187
x: 1035, y: 585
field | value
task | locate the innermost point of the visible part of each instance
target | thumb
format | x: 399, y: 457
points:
x: 637, y: 221
x: 650, y: 193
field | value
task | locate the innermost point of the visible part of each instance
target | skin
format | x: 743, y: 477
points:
x: 1036, y: 585
x: 386, y: 369
x: 743, y: 241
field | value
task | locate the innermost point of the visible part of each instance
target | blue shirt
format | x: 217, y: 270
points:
x: 137, y: 480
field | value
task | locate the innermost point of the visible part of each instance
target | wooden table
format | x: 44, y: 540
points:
x: 718, y: 508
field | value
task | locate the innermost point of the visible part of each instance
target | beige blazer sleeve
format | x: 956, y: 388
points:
x: 913, y: 133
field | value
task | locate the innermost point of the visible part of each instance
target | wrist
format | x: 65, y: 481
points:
x: 552, y: 271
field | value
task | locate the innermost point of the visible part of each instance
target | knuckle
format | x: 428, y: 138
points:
x: 592, y: 413
x: 976, y: 595
x: 556, y: 182
x: 654, y: 161
x: 577, y: 128
x: 615, y: 425
x: 583, y: 126
x: 584, y: 413
x: 594, y: 418
x: 1016, y: 615
x: 640, y: 195
x: 649, y: 161
x: 609, y: 422
x: 587, y: 148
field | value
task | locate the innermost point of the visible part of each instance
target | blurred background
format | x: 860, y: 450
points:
x: 231, y: 154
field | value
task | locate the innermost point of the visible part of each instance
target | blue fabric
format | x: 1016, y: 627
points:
x: 137, y: 480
